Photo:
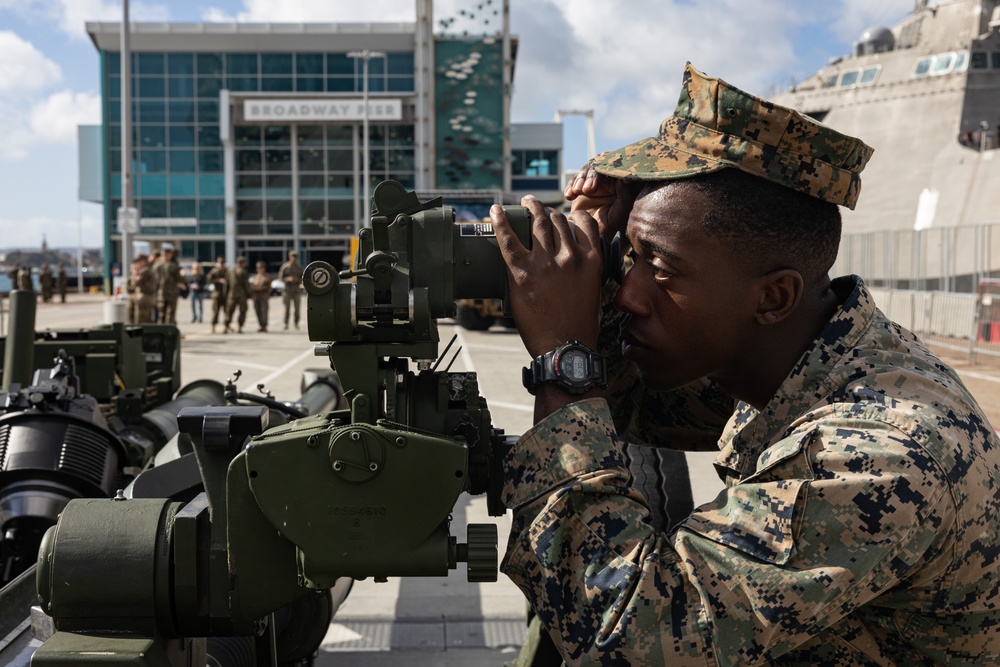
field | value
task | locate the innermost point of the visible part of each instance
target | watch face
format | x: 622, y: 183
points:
x: 573, y: 365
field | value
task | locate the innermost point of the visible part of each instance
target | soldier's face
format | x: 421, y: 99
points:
x: 690, y: 305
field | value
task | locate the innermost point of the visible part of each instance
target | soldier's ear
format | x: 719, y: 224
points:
x: 779, y: 294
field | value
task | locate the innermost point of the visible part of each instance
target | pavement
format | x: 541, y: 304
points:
x: 443, y: 621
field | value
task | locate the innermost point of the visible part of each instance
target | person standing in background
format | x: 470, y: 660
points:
x: 141, y: 288
x: 196, y: 284
x: 239, y: 292
x: 62, y: 282
x: 45, y: 280
x: 260, y: 292
x: 290, y: 274
x: 218, y: 278
x: 168, y: 282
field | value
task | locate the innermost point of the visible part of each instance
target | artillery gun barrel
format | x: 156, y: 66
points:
x: 19, y: 354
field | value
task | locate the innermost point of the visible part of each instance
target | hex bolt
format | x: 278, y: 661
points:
x: 355, y: 436
x: 312, y: 440
x: 401, y: 441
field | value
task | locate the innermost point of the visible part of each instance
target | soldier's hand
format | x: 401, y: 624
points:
x: 555, y: 286
x: 608, y: 200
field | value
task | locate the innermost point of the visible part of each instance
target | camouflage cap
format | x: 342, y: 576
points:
x: 716, y: 126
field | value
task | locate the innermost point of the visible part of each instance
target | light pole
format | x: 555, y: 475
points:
x: 365, y: 56
x: 128, y: 217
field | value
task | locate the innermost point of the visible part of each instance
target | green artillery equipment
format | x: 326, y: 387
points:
x: 288, y: 511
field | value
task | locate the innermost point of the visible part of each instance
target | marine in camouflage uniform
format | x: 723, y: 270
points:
x: 62, y: 282
x: 45, y: 280
x: 218, y: 278
x: 260, y: 288
x: 141, y: 288
x: 238, y: 292
x: 168, y: 282
x: 290, y: 274
x: 861, y: 520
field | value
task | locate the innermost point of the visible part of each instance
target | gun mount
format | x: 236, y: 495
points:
x: 288, y: 511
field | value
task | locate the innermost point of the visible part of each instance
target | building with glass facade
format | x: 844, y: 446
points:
x: 247, y: 138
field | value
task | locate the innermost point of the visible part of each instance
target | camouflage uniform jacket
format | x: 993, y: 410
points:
x: 239, y: 285
x: 168, y: 277
x: 291, y: 275
x: 219, y: 279
x: 859, y: 527
x: 144, y: 284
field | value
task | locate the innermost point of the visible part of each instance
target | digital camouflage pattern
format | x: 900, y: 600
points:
x: 859, y: 525
x: 716, y: 126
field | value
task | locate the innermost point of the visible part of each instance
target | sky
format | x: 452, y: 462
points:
x: 621, y: 58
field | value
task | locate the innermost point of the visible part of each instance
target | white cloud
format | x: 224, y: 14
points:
x: 56, y: 118
x: 23, y: 67
x: 59, y: 232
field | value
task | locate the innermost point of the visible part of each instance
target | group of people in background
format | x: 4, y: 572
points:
x: 154, y: 288
x: 20, y: 278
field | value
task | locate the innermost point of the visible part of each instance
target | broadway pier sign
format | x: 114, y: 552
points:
x: 329, y: 109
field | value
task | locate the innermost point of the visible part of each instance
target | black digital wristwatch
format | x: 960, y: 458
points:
x: 573, y: 367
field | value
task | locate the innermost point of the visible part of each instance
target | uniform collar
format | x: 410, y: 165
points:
x: 751, y: 431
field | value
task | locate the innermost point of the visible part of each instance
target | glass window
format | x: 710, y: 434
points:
x: 943, y: 63
x: 210, y: 160
x: 152, y: 136
x: 114, y: 62
x: 848, y: 78
x: 208, y: 136
x: 276, y: 63
x: 209, y: 86
x: 399, y: 135
x: 277, y: 135
x: 340, y: 135
x: 278, y: 159
x: 996, y: 59
x: 400, y: 84
x: 208, y: 112
x: 277, y: 84
x: 116, y: 162
x: 339, y: 63
x: 537, y: 167
x: 407, y: 181
x: 209, y: 228
x: 180, y: 87
x: 376, y: 84
x: 182, y: 135
x: 312, y: 209
x: 247, y: 135
x: 310, y: 135
x: 151, y: 86
x: 552, y: 157
x: 153, y: 162
x: 311, y: 185
x: 152, y: 208
x: 211, y: 185
x: 961, y: 61
x: 180, y: 63
x: 211, y: 209
x: 242, y: 83
x: 341, y: 209
x: 400, y: 159
x: 340, y: 160
x: 180, y: 112
x: 249, y: 185
x: 278, y: 185
x: 181, y: 161
x: 182, y: 185
x: 341, y: 85
x: 115, y: 135
x: 923, y: 66
x: 241, y: 63
x: 340, y: 185
x: 151, y: 63
x: 979, y: 60
x: 249, y: 160
x: 115, y: 85
x: 249, y: 209
x: 376, y: 66
x: 400, y: 63
x: 312, y: 84
x: 183, y: 208
x: 115, y: 110
x: 209, y: 63
x: 868, y: 76
x: 278, y: 209
x: 151, y: 111
x: 309, y: 63
x: 311, y: 159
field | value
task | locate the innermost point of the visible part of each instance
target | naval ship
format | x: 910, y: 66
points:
x: 925, y: 94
